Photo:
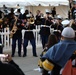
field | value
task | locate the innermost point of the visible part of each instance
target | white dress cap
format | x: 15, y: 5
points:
x: 28, y: 15
x: 59, y: 17
x: 48, y: 11
x: 65, y: 22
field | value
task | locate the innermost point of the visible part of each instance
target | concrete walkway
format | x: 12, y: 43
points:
x: 28, y: 64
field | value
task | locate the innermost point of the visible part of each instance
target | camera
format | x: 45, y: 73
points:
x: 3, y: 57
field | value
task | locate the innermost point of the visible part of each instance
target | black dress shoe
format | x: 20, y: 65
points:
x: 19, y: 55
x: 24, y: 55
x: 35, y: 55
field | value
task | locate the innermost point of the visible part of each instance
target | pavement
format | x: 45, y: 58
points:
x: 28, y: 64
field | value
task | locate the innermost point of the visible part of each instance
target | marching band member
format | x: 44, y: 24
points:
x: 74, y: 27
x: 1, y: 15
x: 45, y: 28
x: 25, y: 13
x: 54, y: 11
x: 19, y: 14
x: 5, y: 11
x: 65, y: 23
x: 10, y: 17
x: 58, y: 27
x: 52, y: 40
x: 38, y: 17
x: 16, y: 35
x: 73, y: 11
x: 1, y: 45
x: 29, y: 36
x: 5, y: 23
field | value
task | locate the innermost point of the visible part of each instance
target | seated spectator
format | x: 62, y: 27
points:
x: 61, y: 52
x: 9, y: 67
x: 51, y: 41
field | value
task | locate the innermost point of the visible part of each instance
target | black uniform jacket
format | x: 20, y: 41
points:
x: 45, y: 30
x: 18, y: 33
x: 38, y: 20
x: 29, y: 34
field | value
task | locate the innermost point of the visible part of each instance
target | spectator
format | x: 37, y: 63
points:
x: 60, y: 53
x: 51, y: 41
x: 10, y: 67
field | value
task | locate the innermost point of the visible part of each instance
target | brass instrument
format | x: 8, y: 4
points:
x: 71, y: 22
x: 31, y: 20
x: 1, y: 20
x: 14, y: 29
